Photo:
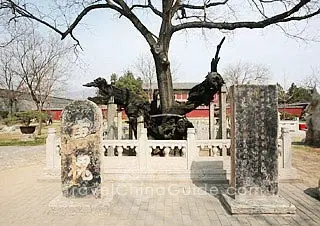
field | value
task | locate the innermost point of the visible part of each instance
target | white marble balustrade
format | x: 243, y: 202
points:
x: 166, y: 157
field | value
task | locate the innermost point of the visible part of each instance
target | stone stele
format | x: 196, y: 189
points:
x: 254, y: 163
x: 81, y: 134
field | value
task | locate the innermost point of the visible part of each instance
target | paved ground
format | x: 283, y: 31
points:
x: 24, y: 200
x: 11, y: 157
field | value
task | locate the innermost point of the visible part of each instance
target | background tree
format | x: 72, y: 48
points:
x: 294, y: 94
x: 246, y: 73
x: 174, y: 16
x: 312, y: 80
x: 298, y: 94
x: 41, y: 65
x: 134, y: 85
x: 147, y: 69
x: 10, y: 81
x: 282, y: 95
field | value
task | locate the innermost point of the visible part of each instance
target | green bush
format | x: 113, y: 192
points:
x: 25, y: 117
x: 44, y: 116
x: 4, y: 114
x: 10, y: 121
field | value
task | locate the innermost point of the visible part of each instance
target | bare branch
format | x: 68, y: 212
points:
x: 215, y: 60
x: 245, y: 73
x: 282, y: 17
x: 149, y: 5
x: 123, y: 9
x: 204, y: 6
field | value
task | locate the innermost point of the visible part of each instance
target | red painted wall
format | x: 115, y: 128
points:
x: 197, y: 113
x: 56, y: 114
x: 295, y: 111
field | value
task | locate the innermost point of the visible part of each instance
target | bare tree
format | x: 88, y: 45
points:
x: 9, y: 81
x: 41, y: 65
x: 246, y: 73
x: 147, y: 69
x: 174, y: 16
x: 312, y: 80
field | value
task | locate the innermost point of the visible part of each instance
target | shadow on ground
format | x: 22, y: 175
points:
x: 313, y: 192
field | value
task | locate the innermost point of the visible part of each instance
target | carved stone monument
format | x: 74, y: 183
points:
x: 313, y: 120
x: 254, y: 164
x: 81, y: 149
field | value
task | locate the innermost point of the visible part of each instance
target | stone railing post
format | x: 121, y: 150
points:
x: 143, y: 149
x: 140, y: 125
x: 212, y: 122
x: 52, y: 168
x: 286, y: 171
x: 53, y: 161
x: 223, y: 113
x: 192, y: 151
x: 119, y: 125
x: 111, y: 114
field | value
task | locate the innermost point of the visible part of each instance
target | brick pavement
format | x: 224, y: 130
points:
x: 24, y: 201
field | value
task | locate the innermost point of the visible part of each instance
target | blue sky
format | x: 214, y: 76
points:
x: 112, y: 45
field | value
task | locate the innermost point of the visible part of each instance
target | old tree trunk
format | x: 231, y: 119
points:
x: 160, y: 55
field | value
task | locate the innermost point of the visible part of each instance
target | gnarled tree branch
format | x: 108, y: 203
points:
x: 205, y: 6
x: 121, y: 8
x: 282, y: 17
x: 149, y: 5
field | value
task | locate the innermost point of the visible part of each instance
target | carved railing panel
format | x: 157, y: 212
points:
x: 214, y: 147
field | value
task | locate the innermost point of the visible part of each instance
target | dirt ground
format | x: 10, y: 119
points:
x: 307, y: 161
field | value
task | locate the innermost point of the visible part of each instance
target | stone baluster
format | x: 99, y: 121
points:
x: 143, y: 151
x: 184, y: 152
x: 222, y: 113
x: 140, y: 126
x: 166, y: 152
x: 212, y: 122
x: 192, y: 152
x: 224, y: 150
x: 53, y: 160
x: 120, y: 150
x: 286, y: 171
x: 119, y: 125
x: 111, y: 114
x: 215, y: 150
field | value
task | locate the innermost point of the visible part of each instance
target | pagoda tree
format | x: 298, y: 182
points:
x: 173, y: 16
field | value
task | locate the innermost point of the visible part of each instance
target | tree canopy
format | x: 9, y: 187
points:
x: 128, y: 81
x: 295, y: 94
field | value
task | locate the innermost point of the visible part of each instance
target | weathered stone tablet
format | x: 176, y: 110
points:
x: 254, y: 137
x: 254, y: 157
x: 81, y: 132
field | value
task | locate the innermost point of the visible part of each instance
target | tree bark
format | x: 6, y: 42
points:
x: 11, y: 103
x: 160, y: 55
x: 164, y: 83
x: 40, y: 119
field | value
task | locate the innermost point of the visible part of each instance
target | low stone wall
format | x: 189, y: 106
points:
x: 191, y: 159
x: 291, y: 125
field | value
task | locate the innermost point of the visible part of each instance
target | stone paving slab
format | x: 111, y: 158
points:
x: 12, y: 156
x: 24, y: 200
